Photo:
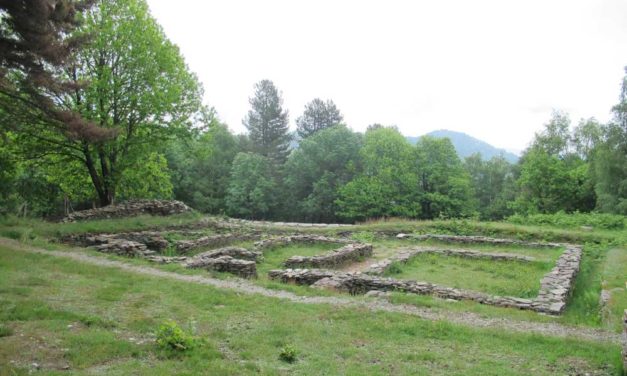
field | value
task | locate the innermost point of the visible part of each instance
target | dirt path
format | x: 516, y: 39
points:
x: 243, y: 286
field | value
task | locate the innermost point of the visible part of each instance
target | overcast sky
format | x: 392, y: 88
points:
x: 492, y: 69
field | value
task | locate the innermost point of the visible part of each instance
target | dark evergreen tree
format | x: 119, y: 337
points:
x: 318, y: 115
x: 267, y: 122
x: 36, y: 43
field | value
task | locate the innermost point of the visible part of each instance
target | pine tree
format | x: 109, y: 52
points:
x: 318, y: 115
x: 267, y: 122
x: 35, y: 45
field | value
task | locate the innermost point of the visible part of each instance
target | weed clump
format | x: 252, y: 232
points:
x: 288, y: 354
x: 171, y: 337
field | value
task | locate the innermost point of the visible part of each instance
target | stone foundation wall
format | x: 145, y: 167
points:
x: 347, y: 254
x: 123, y: 247
x: 557, y: 285
x: 129, y: 209
x: 477, y: 240
x: 184, y: 246
x: 405, y: 255
x: 235, y: 252
x: 283, y: 241
x: 555, y: 289
x: 357, y: 283
x: 241, y: 268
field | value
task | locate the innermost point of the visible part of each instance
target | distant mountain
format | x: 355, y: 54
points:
x: 466, y: 145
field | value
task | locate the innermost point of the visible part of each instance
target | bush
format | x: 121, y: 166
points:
x: 172, y: 337
x: 288, y: 354
x: 573, y: 220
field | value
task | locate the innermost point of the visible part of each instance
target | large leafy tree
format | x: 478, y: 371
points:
x: 201, y: 167
x: 493, y: 184
x: 267, y: 122
x: 252, y: 191
x: 314, y: 172
x: 318, y: 115
x: 140, y: 89
x: 610, y: 160
x: 444, y: 185
x: 387, y: 185
x: 553, y: 176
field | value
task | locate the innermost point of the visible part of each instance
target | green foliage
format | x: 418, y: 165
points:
x: 267, y: 122
x: 252, y: 190
x: 201, y: 167
x: 552, y: 176
x: 493, y: 184
x: 318, y: 115
x: 386, y: 187
x: 444, y: 185
x: 610, y: 169
x: 572, y: 220
x: 171, y: 337
x: 288, y: 354
x: 314, y: 172
x: 149, y: 178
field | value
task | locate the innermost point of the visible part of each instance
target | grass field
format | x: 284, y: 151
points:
x: 63, y: 314
x: 68, y: 317
x: 509, y: 278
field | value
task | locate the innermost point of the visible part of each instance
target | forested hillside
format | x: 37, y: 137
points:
x: 99, y: 106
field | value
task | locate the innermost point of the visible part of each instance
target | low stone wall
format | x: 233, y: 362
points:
x: 405, y: 255
x: 235, y: 252
x: 129, y: 209
x: 283, y: 241
x: 184, y: 246
x: 123, y: 247
x: 167, y: 259
x: 241, y: 268
x: 235, y: 222
x: 556, y: 286
x: 357, y: 283
x: 347, y: 254
x: 477, y: 240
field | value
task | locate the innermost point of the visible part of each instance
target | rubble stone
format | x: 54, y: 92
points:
x: 129, y: 209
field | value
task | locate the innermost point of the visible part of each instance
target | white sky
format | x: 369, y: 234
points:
x: 492, y: 69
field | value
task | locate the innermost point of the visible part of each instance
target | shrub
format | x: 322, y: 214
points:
x: 288, y: 354
x: 172, y: 337
x: 561, y: 219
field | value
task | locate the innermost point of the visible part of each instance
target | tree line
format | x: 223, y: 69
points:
x: 98, y: 106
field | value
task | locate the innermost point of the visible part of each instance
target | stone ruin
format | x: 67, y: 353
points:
x: 130, y: 209
x: 241, y: 268
x: 468, y: 239
x: 283, y: 241
x: 556, y: 286
x: 184, y: 246
x: 403, y: 256
x: 347, y: 254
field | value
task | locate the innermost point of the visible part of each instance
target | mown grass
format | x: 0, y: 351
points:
x: 244, y: 334
x: 508, y: 278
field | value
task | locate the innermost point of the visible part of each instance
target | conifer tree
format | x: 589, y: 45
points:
x: 267, y: 122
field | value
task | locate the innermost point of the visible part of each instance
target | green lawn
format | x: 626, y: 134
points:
x: 509, y: 278
x: 59, y: 313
